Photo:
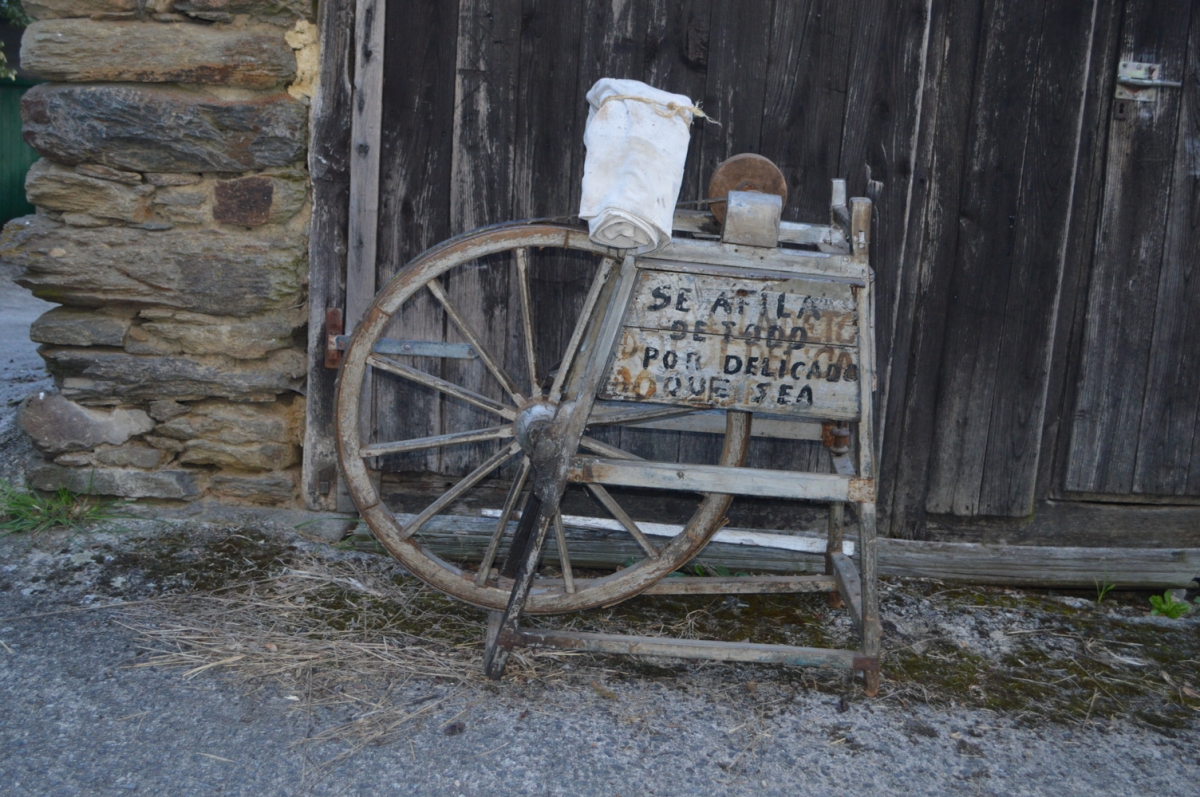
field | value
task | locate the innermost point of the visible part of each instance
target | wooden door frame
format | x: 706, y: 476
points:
x: 329, y: 168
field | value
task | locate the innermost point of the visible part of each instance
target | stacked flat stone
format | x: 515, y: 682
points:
x: 173, y: 204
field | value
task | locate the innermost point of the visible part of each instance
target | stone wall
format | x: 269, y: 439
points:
x: 172, y: 227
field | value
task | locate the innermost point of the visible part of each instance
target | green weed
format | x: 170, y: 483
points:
x: 32, y: 513
x: 1102, y: 589
x: 706, y: 570
x: 1167, y: 605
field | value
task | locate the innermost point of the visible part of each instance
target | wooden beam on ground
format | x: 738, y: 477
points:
x: 740, y: 585
x: 458, y: 538
x: 1040, y: 566
x: 686, y: 648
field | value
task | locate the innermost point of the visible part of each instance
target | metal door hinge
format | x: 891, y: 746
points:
x: 334, y: 327
x: 325, y: 480
x: 1140, y: 82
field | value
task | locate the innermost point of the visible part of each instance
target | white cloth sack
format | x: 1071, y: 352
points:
x: 636, y: 146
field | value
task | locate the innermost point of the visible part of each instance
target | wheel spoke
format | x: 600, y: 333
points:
x: 599, y: 447
x: 510, y: 505
x: 636, y: 414
x: 589, y: 305
x: 564, y: 558
x: 527, y: 319
x: 610, y: 503
x: 437, y: 441
x: 465, y: 330
x: 455, y: 492
x: 441, y: 385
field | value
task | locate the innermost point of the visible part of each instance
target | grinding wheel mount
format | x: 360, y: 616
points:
x: 744, y: 172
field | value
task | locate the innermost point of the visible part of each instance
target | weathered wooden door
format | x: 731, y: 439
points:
x: 1135, y: 430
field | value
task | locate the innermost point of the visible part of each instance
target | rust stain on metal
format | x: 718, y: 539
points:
x: 861, y: 491
x: 827, y: 434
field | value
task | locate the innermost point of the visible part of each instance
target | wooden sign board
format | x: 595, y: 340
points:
x: 784, y: 346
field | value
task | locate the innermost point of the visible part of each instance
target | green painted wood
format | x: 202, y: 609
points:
x: 15, y: 155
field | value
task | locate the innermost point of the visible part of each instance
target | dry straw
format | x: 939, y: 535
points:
x: 346, y: 636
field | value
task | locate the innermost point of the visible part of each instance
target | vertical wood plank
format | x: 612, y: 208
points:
x: 763, y: 78
x: 365, y: 128
x: 946, y: 105
x: 366, y: 120
x: 418, y: 123
x: 485, y: 84
x: 996, y: 151
x: 1189, y: 254
x: 1166, y: 457
x: 329, y: 169
x: 547, y: 144
x: 738, y: 47
x: 613, y: 44
x: 1043, y: 213
x: 675, y: 59
x: 548, y: 160
x: 1085, y: 212
x: 894, y: 448
x: 1128, y: 259
x: 805, y: 92
x: 883, y: 103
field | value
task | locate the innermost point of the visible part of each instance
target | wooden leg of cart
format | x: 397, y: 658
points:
x: 833, y: 546
x: 871, y: 629
x: 838, y: 442
x: 507, y: 623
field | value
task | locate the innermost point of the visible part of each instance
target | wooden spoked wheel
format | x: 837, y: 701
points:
x: 471, y: 405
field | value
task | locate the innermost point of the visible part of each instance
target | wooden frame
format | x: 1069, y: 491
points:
x: 590, y: 362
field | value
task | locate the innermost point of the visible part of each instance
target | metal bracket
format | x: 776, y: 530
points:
x: 334, y: 327
x: 415, y: 348
x: 1140, y: 82
x: 752, y: 219
x: 336, y: 343
x: 835, y: 435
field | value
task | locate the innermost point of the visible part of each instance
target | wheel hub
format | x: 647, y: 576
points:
x: 534, y: 429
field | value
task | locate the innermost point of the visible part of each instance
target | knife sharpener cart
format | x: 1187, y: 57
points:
x: 741, y: 319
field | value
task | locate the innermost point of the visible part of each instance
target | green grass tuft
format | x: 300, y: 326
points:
x: 32, y: 513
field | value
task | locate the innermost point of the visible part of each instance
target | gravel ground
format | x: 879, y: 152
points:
x: 98, y: 696
x: 21, y: 369
x: 80, y: 716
